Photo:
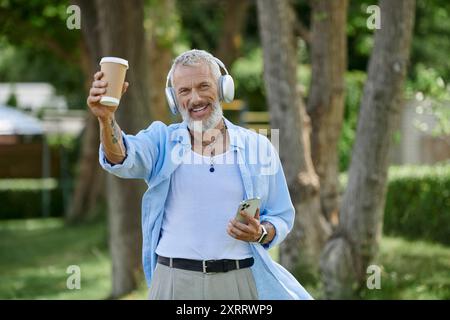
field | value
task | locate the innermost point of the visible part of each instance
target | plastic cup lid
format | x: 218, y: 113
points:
x: 115, y: 60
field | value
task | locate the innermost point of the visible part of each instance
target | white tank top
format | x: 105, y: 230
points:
x: 198, y: 208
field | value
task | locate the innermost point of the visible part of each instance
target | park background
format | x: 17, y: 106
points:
x: 363, y: 113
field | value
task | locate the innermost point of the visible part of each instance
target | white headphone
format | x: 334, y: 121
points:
x: 225, y: 87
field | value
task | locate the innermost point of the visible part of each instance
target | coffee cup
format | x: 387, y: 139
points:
x: 114, y: 70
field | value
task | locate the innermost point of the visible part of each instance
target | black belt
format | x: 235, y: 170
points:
x: 206, y: 266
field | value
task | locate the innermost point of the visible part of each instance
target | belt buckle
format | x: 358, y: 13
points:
x: 205, y: 266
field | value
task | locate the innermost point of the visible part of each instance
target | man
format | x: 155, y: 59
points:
x: 197, y: 173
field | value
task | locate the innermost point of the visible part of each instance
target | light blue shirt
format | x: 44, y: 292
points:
x: 154, y: 154
x: 199, y: 206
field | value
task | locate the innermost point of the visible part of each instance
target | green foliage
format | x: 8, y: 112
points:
x: 360, y: 38
x: 354, y: 83
x: 165, y: 27
x: 22, y: 198
x: 68, y: 141
x: 431, y: 43
x: 202, y: 21
x: 418, y: 203
x: 37, y: 24
x: 23, y: 64
x: 12, y: 101
x: 248, y: 77
x: 36, y: 46
x: 428, y: 84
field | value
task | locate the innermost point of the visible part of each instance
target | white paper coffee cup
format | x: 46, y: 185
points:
x: 114, y: 70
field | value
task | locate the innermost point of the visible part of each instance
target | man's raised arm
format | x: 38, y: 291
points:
x: 110, y: 132
x: 111, y: 139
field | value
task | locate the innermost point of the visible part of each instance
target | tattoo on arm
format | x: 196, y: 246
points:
x: 115, y: 132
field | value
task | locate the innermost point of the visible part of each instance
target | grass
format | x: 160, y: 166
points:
x: 35, y: 254
x: 412, y: 270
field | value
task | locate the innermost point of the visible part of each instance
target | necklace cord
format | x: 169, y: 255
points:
x: 210, y: 143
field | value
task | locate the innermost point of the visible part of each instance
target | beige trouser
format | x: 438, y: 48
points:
x: 178, y: 284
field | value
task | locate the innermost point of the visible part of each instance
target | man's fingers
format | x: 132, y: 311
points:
x: 99, y: 84
x: 251, y: 221
x: 244, y: 214
x: 240, y: 226
x: 125, y: 87
x: 236, y: 232
x: 96, y: 91
x: 92, y: 99
x: 98, y: 75
x: 232, y: 232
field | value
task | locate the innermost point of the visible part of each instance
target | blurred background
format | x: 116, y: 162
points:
x: 341, y: 79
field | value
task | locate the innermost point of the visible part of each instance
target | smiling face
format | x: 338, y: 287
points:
x: 196, y: 91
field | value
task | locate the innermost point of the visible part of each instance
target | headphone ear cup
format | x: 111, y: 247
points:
x: 226, y: 88
x: 171, y: 100
x: 220, y: 88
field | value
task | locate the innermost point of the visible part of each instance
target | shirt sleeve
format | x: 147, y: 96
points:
x: 279, y: 210
x: 142, y: 152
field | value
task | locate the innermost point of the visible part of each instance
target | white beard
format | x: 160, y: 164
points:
x: 206, y: 124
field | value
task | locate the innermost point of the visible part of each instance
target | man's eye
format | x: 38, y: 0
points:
x: 205, y: 86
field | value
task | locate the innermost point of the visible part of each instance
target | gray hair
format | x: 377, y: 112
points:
x: 194, y: 57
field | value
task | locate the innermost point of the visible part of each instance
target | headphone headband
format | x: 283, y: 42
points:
x: 216, y: 60
x: 220, y: 63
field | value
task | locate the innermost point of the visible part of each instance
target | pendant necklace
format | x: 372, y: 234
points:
x: 211, y: 159
x: 210, y: 144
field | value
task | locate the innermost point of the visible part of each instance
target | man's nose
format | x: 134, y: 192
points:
x: 195, y: 97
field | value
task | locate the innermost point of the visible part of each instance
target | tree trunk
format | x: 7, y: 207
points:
x: 89, y: 182
x: 355, y: 244
x: 326, y: 96
x: 161, y: 17
x: 301, y: 250
x: 121, y: 33
x: 230, y: 42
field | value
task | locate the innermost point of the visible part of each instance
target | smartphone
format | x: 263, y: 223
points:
x: 249, y: 206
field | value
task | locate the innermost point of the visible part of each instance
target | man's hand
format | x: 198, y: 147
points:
x: 251, y: 231
x: 96, y: 92
x: 110, y: 132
